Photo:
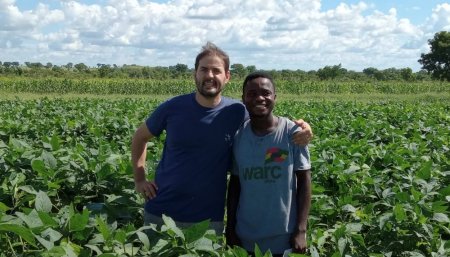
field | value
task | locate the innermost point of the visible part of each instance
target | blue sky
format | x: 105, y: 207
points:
x: 270, y: 34
x: 415, y: 10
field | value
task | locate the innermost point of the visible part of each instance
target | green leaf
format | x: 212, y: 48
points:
x: 340, y: 232
x: 359, y: 238
x: 170, y: 224
x: 38, y: 165
x: 412, y: 254
x: 51, y: 234
x: 47, y: 220
x: 103, y: 228
x: 196, y: 231
x: 160, y: 246
x: 49, y: 160
x: 72, y: 249
x: 188, y: 255
x: 441, y: 218
x: 445, y: 191
x: 258, y: 252
x: 18, y: 146
x: 2, y: 144
x: 425, y: 171
x: 32, y: 219
x: 439, y: 206
x: 21, y: 231
x: 28, y: 189
x: 55, y: 142
x: 349, y: 208
x: 144, y: 239
x: 112, y: 197
x: 416, y: 194
x: 131, y: 250
x: 314, y: 252
x: 353, y: 227
x: 78, y: 222
x: 4, y: 207
x: 399, y: 212
x: 120, y: 236
x: 43, y: 202
x: 55, y: 251
x: 352, y: 169
x: 95, y: 248
x: 342, y: 244
x: 46, y: 243
x: 239, y: 251
x: 204, y: 244
x: 402, y: 196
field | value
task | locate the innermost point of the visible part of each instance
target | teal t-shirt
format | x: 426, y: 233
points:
x: 266, y: 167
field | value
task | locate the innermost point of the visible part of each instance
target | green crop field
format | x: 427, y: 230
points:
x: 381, y: 172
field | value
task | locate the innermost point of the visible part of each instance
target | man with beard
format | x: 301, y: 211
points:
x: 190, y: 180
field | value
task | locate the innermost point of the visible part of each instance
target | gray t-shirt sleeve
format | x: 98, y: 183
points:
x: 301, y: 158
x: 300, y: 153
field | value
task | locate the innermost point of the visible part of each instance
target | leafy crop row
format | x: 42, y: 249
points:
x: 381, y: 174
x: 177, y: 86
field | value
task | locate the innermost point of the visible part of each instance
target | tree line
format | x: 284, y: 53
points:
x: 435, y: 65
x: 182, y: 71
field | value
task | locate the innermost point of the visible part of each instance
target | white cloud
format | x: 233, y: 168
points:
x: 293, y: 34
x: 12, y: 19
x: 439, y: 20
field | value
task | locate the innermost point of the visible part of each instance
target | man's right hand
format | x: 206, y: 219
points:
x: 147, y: 189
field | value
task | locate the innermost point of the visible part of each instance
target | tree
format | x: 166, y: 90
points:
x: 371, y: 71
x: 57, y: 69
x: 407, y: 74
x: 81, y: 67
x: 179, y: 70
x: 331, y: 72
x: 251, y: 68
x: 238, y: 70
x: 391, y: 74
x: 69, y: 65
x: 10, y: 64
x: 437, y: 61
x: 36, y: 65
x: 104, y: 70
x: 146, y: 72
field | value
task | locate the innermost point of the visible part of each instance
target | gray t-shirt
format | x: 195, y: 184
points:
x: 266, y: 167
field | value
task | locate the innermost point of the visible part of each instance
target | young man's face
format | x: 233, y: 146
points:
x: 259, y: 97
x: 210, y: 76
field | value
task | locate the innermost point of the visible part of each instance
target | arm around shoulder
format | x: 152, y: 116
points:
x: 305, y: 136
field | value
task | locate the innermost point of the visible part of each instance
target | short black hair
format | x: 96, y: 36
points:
x: 258, y: 74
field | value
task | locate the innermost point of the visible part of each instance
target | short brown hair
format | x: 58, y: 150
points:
x: 212, y: 49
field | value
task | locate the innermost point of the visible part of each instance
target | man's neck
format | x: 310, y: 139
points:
x: 263, y: 125
x: 208, y: 102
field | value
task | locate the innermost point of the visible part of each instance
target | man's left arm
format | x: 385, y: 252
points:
x: 298, y: 237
